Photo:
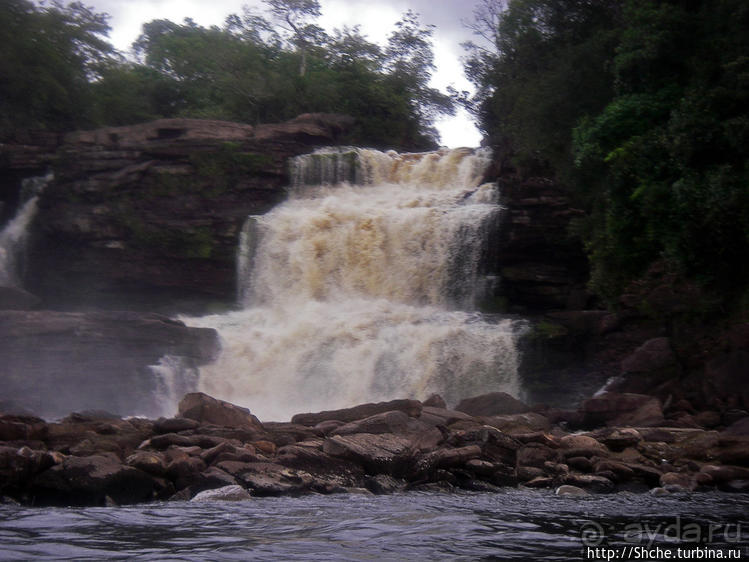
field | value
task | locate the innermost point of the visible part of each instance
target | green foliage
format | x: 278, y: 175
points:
x: 665, y: 162
x: 57, y: 71
x: 48, y: 59
x: 197, y: 243
x: 193, y: 243
x: 641, y: 105
x: 545, y: 330
x: 547, y: 66
x: 222, y: 168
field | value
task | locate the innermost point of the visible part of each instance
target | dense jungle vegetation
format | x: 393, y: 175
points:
x: 642, y: 108
x: 58, y: 71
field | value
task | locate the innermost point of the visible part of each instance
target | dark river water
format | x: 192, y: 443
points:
x: 512, y: 525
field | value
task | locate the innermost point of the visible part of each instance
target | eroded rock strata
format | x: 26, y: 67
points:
x: 147, y: 217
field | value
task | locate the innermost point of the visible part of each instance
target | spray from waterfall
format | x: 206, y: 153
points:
x: 362, y: 287
x: 14, y: 234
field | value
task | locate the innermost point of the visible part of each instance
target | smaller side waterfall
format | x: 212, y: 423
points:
x: 174, y: 376
x: 13, y: 236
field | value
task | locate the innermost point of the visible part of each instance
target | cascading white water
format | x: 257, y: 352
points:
x: 356, y: 293
x: 173, y: 377
x: 13, y: 235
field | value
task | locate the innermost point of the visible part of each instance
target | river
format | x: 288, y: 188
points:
x: 515, y: 524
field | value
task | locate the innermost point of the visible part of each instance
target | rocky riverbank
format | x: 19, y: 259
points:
x: 216, y: 450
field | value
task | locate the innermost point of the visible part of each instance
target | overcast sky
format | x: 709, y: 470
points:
x: 377, y: 19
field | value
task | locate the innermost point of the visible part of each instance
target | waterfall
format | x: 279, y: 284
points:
x: 173, y: 377
x: 13, y: 236
x: 361, y: 287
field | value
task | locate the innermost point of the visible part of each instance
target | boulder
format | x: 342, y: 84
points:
x: 652, y: 356
x: 394, y: 421
x: 535, y: 454
x: 647, y: 474
x: 90, y: 481
x: 620, y: 470
x: 231, y: 493
x: 148, y: 461
x: 736, y: 453
x: 592, y: 482
x: 583, y: 464
x: 725, y: 473
x: 567, y: 490
x: 384, y: 484
x: 684, y: 481
x: 210, y: 455
x: 22, y: 428
x: 725, y: 378
x: 448, y: 458
x: 19, y: 465
x: 385, y: 453
x: 208, y: 410
x: 622, y: 409
x: 618, y: 439
x: 185, y: 472
x: 492, y: 404
x: 346, y: 473
x: 271, y: 479
x: 412, y: 408
x: 708, y: 419
x: 435, y: 401
x: 174, y: 425
x: 243, y: 454
x: 174, y: 439
x: 540, y: 482
x: 519, y: 423
x: 578, y: 441
x: 740, y: 427
x: 423, y: 436
x: 442, y: 417
x: 285, y: 433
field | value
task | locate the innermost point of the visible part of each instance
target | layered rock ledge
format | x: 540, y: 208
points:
x: 54, y: 362
x: 148, y: 216
x: 215, y: 450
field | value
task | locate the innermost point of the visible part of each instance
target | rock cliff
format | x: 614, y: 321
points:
x: 656, y: 340
x: 148, y: 216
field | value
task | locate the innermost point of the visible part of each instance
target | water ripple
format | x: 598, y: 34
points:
x: 512, y: 525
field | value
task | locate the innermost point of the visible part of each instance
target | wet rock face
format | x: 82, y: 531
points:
x: 56, y: 362
x: 540, y: 266
x: 149, y: 215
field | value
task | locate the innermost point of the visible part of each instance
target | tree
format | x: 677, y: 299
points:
x: 50, y: 55
x: 666, y: 160
x: 541, y: 66
x: 294, y: 16
x: 409, y: 62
